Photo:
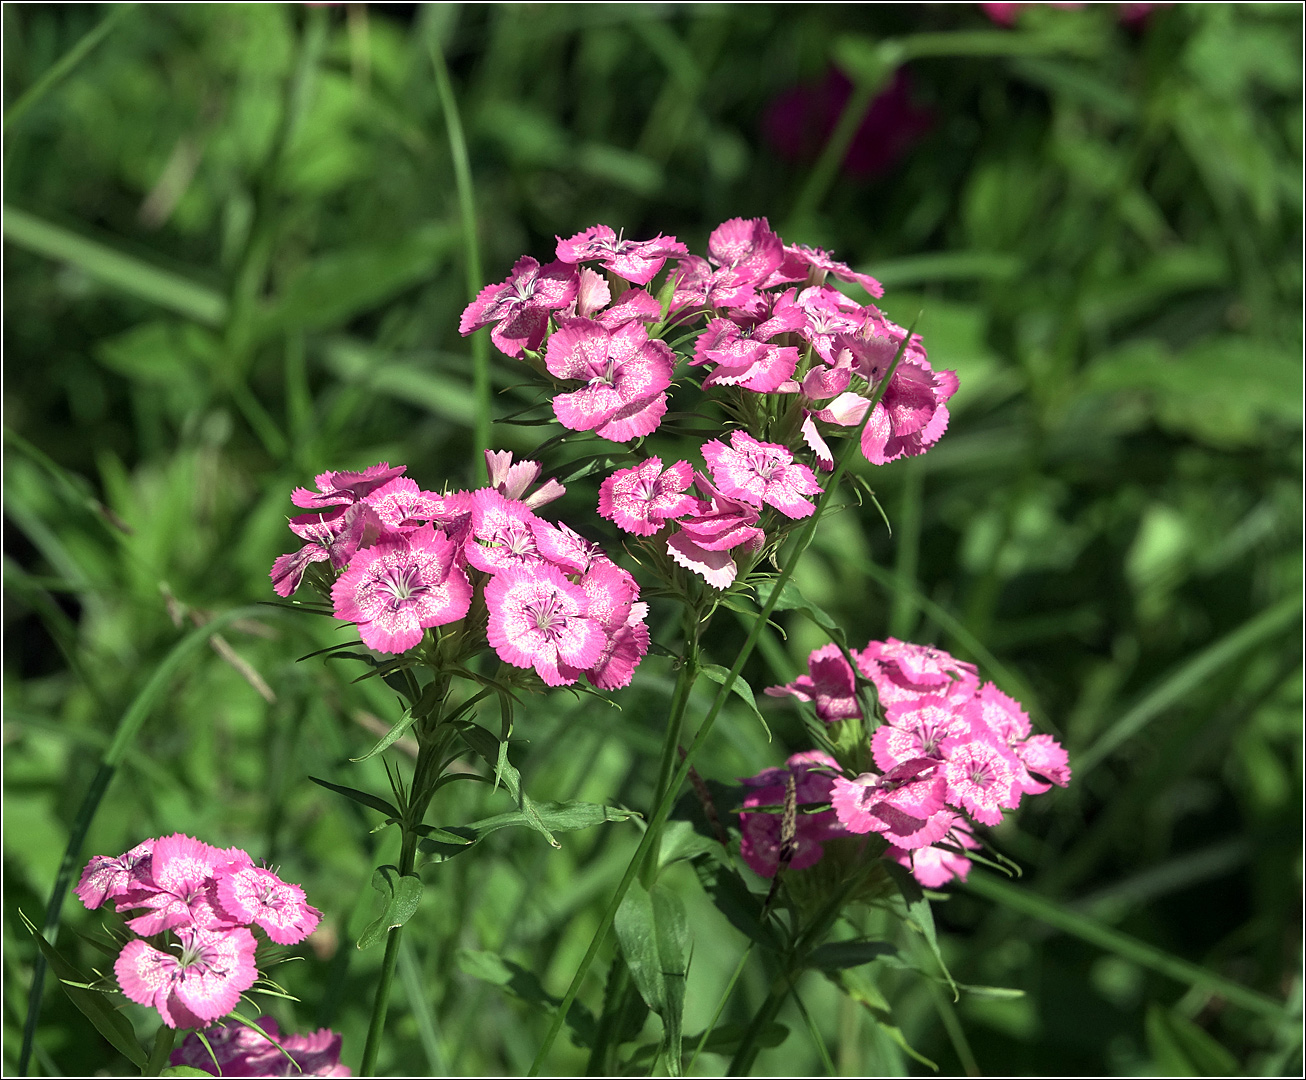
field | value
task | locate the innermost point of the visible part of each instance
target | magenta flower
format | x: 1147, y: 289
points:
x: 761, y: 832
x: 242, y: 1050
x: 981, y: 779
x: 642, y: 499
x: 519, y: 307
x: 625, y: 373
x: 256, y: 895
x: 611, y: 600
x: 637, y: 261
x: 747, y: 249
x: 503, y: 533
x: 635, y: 305
x: 344, y: 488
x: 400, y: 586
x: 178, y: 890
x: 928, y: 726
x: 194, y: 988
x: 538, y: 619
x: 820, y: 263
x: 759, y: 472
x: 799, y: 122
x: 831, y: 685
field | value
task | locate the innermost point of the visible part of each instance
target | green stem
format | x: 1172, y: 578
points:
x: 163, y: 1040
x: 723, y: 693
x: 748, y: 1050
x: 720, y: 1008
x: 462, y: 173
x: 671, y: 743
x: 428, y: 757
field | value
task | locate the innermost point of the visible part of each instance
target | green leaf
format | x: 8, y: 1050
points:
x: 184, y: 1070
x: 919, y: 914
x: 837, y: 955
x: 739, y: 687
x: 792, y: 599
x: 735, y: 901
x: 1181, y: 1048
x: 724, y: 1039
x: 94, y: 1004
x: 860, y: 988
x: 494, y: 969
x: 373, y: 801
x: 654, y: 935
x: 390, y: 737
x: 555, y: 816
x: 401, y: 893
x: 495, y: 753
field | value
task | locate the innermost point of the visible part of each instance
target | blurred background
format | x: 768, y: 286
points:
x: 233, y: 259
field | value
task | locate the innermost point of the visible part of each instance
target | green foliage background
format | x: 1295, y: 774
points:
x: 233, y: 259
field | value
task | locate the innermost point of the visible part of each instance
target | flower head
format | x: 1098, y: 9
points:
x: 401, y: 585
x: 256, y: 895
x: 762, y: 831
x: 260, y: 1049
x: 637, y: 261
x: 539, y: 619
x: 642, y: 499
x: 759, y: 472
x: 192, y: 989
x: 518, y: 308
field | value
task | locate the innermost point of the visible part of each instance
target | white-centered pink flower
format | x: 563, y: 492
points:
x: 538, y: 620
x: 830, y: 685
x: 704, y: 538
x: 108, y: 876
x: 400, y: 586
x: 637, y: 261
x: 625, y: 376
x: 761, y: 473
x: 202, y: 982
x: 333, y: 535
x: 256, y: 895
x: 344, y: 488
x: 642, y: 499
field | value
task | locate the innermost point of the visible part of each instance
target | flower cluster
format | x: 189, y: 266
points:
x: 242, y: 1050
x: 410, y: 559
x: 770, y: 325
x: 205, y: 899
x: 950, y: 752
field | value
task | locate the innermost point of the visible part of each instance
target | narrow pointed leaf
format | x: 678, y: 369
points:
x: 373, y: 801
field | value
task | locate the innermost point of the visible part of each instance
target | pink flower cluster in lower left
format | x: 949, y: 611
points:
x: 205, y: 900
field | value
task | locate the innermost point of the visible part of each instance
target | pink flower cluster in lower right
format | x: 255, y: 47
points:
x: 951, y: 752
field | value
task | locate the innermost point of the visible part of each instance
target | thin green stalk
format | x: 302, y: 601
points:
x: 63, y: 67
x: 462, y: 172
x: 956, y: 1036
x: 126, y: 732
x: 428, y: 758
x: 748, y: 1049
x: 813, y: 1031
x: 163, y: 1040
x: 671, y: 743
x: 823, y: 172
x: 723, y: 692
x: 902, y: 615
x: 720, y: 1007
x: 1130, y: 948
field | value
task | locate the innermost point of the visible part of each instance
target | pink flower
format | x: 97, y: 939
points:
x: 905, y: 805
x: 400, y: 586
x: 926, y: 727
x: 538, y: 619
x: 106, y: 877
x: 718, y: 524
x: 747, y: 248
x: 255, y: 895
x: 626, y: 375
x: 759, y: 472
x: 980, y: 780
x: 637, y: 261
x: 831, y: 685
x: 611, y: 601
x: 511, y: 481
x: 242, y: 1051
x: 179, y: 887
x: 642, y: 499
x: 193, y: 989
x: 936, y: 865
x: 503, y: 533
x: 401, y: 505
x: 762, y: 832
x: 921, y: 668
x: 519, y: 307
x: 1042, y: 754
x: 333, y: 536
x: 344, y: 488
x: 820, y: 263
